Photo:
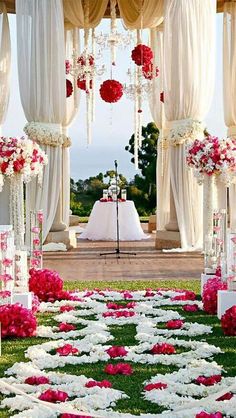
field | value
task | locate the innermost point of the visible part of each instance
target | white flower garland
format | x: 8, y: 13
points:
x: 184, y: 130
x: 47, y: 134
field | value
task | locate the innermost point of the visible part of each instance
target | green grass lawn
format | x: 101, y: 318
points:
x: 13, y: 350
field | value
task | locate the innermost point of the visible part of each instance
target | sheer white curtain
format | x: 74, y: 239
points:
x: 158, y: 114
x: 41, y: 66
x: 189, y: 34
x: 229, y: 65
x: 5, y: 68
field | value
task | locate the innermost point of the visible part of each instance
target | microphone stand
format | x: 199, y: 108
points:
x: 117, y: 250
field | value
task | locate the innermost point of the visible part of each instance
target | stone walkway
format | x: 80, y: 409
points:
x: 85, y: 262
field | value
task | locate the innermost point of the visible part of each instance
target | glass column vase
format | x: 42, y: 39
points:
x: 36, y: 226
x: 7, y: 253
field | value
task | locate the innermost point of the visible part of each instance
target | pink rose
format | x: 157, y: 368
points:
x: 64, y: 327
x: 175, y: 324
x: 116, y: 351
x: 53, y: 396
x: 152, y: 386
x: 37, y: 380
x: 102, y: 384
x: 163, y: 348
x: 208, y: 381
x: 66, y: 350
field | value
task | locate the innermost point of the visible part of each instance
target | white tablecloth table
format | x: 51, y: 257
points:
x: 102, y: 222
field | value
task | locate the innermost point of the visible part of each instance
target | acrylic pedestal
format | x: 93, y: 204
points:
x: 24, y: 298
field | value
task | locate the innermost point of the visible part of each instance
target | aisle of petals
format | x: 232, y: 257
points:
x: 191, y: 391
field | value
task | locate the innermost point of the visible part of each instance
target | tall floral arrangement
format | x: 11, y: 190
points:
x: 213, y: 156
x: 20, y: 156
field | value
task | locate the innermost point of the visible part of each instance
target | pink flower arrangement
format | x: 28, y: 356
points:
x: 152, y: 386
x: 117, y: 351
x: 111, y: 91
x: 64, y: 327
x: 163, y: 348
x: 209, y: 296
x: 102, y: 384
x: 22, y: 156
x: 175, y: 324
x: 190, y: 308
x: 119, y: 368
x: 5, y: 278
x: 209, y: 380
x: 67, y: 350
x: 54, y: 396
x: 7, y: 262
x: 204, y: 414
x: 228, y: 321
x: 17, y: 321
x: 37, y: 380
x: 212, y: 156
x: 47, y: 285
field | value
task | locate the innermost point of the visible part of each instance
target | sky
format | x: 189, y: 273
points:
x: 114, y: 124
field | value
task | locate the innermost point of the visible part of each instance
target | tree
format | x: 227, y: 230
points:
x: 147, y: 155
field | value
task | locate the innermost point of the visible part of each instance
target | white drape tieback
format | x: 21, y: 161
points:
x: 231, y: 131
x: 47, y: 134
x: 184, y: 130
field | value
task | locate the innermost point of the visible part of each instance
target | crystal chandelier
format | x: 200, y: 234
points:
x: 114, y: 39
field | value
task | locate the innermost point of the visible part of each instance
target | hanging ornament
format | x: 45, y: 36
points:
x: 162, y: 97
x: 142, y: 55
x: 68, y: 66
x: 83, y: 59
x: 69, y: 88
x: 150, y: 71
x: 81, y: 84
x: 111, y: 91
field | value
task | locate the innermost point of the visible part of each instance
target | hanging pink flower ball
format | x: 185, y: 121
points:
x: 81, y: 84
x: 142, y: 55
x: 111, y: 91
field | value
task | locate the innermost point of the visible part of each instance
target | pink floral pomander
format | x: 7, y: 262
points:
x: 228, y: 321
x: 209, y: 296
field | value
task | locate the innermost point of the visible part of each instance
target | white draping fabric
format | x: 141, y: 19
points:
x: 5, y: 68
x: 5, y: 62
x: 102, y: 222
x: 72, y: 43
x: 229, y: 74
x: 75, y: 13
x: 189, y: 34
x: 158, y: 114
x: 41, y: 66
x: 138, y: 14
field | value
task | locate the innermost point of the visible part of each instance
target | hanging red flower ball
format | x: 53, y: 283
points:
x: 142, y: 55
x: 81, y: 84
x: 162, y: 97
x: 111, y: 91
x: 150, y: 71
x: 82, y: 60
x: 69, y: 88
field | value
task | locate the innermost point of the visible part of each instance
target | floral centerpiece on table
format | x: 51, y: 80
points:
x: 213, y: 156
x: 20, y: 156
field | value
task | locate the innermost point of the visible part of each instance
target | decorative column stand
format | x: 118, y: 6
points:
x: 227, y: 298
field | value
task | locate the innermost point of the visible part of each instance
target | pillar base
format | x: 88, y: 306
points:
x: 152, y: 223
x: 66, y: 237
x: 167, y: 240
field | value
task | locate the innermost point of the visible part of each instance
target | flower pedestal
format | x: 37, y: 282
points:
x: 7, y: 252
x: 226, y: 299
x: 21, y: 292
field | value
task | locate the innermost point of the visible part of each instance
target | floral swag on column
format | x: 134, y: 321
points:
x: 47, y: 134
x: 184, y: 130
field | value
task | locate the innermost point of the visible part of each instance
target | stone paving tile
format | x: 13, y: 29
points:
x: 85, y: 263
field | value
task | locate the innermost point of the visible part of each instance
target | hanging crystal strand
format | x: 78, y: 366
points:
x: 136, y: 130
x: 93, y: 80
x: 87, y: 72
x: 113, y: 31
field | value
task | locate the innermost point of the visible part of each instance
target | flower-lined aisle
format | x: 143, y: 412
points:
x: 121, y: 354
